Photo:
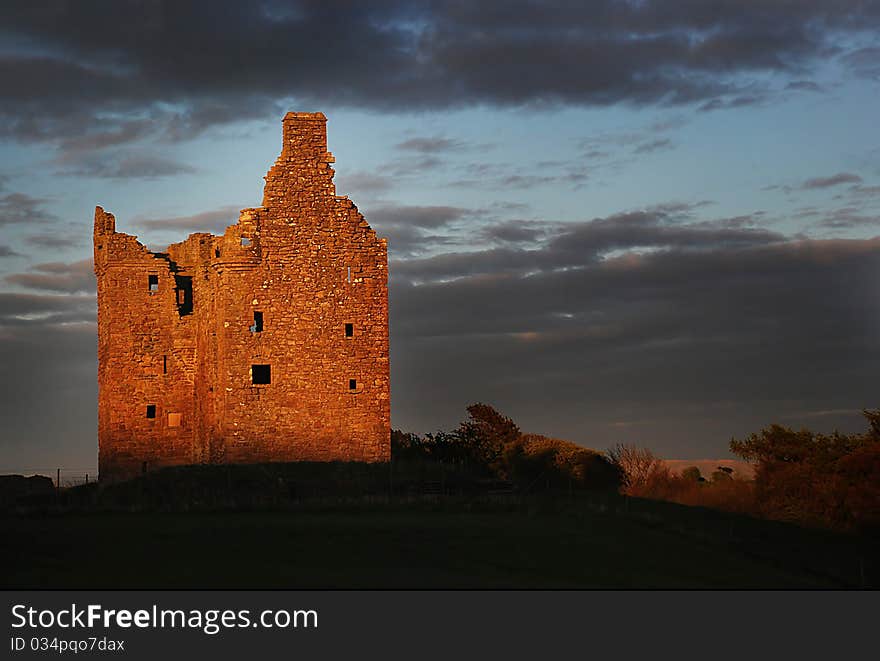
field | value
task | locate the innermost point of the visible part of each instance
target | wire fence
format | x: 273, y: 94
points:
x: 61, y: 477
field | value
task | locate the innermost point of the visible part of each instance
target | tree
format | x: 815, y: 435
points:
x: 692, y: 474
x: 816, y: 478
x: 561, y: 464
x: 405, y: 445
x: 638, y: 466
x: 722, y: 474
x: 487, y: 435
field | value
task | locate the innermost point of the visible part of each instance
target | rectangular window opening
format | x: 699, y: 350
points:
x: 165, y: 364
x: 258, y: 323
x: 153, y: 282
x: 348, y: 277
x: 184, y: 294
x: 349, y: 330
x: 245, y: 241
x: 352, y: 384
x: 261, y: 374
x: 151, y: 410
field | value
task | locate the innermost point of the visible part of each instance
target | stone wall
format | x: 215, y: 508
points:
x: 185, y: 342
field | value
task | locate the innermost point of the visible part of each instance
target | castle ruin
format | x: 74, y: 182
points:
x: 269, y: 343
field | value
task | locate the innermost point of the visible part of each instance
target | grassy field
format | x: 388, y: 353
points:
x: 415, y: 546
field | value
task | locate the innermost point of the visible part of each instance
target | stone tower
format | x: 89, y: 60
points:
x: 269, y: 343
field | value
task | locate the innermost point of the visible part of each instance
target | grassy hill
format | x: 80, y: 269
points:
x: 440, y: 544
x: 418, y: 526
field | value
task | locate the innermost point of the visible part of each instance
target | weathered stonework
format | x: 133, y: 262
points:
x: 299, y: 284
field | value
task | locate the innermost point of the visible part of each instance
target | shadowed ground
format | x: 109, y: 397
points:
x: 380, y: 547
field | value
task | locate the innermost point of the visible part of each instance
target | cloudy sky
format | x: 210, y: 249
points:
x: 622, y: 220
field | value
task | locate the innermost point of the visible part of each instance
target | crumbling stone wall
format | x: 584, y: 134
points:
x: 294, y: 294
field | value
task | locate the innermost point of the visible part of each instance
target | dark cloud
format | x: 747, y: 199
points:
x: 864, y: 62
x: 48, y: 346
x: 124, y: 165
x: 364, y: 182
x: 860, y: 191
x: 413, y: 229
x: 215, y: 221
x: 418, y: 230
x: 512, y: 232
x: 850, y: 218
x: 6, y: 251
x: 660, y: 144
x: 49, y: 395
x: 504, y: 176
x: 118, y: 71
x: 714, y: 329
x: 728, y: 102
x: 42, y: 310
x: 804, y: 85
x: 405, y: 167
x: 616, y: 149
x: 418, y: 216
x: 54, y: 241
x: 19, y: 208
x: 77, y: 277
x: 580, y: 244
x: 116, y: 133
x: 833, y: 180
x: 855, y: 190
x: 430, y: 145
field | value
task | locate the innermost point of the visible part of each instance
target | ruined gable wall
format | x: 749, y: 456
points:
x: 319, y: 267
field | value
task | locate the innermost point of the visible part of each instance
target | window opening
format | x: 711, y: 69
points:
x: 151, y: 410
x: 258, y: 323
x: 184, y: 294
x: 153, y: 282
x: 349, y: 330
x: 261, y: 374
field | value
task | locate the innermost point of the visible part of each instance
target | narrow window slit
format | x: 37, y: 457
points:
x: 258, y: 323
x: 151, y: 410
x: 349, y: 330
x: 352, y: 384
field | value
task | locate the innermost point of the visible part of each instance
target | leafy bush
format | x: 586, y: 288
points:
x: 817, y: 479
x: 488, y: 444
